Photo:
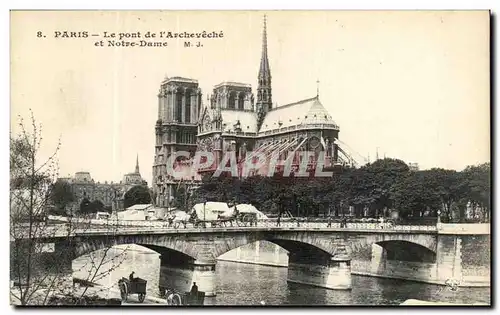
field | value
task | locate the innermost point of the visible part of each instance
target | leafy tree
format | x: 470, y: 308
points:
x: 448, y: 186
x: 61, y: 195
x: 137, y: 195
x: 478, y: 186
x: 97, y: 206
x: 38, y: 274
x: 380, y: 186
x: 85, y: 206
x: 181, y: 197
x: 412, y: 195
x: 380, y: 176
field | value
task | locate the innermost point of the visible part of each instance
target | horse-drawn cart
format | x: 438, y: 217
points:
x: 218, y: 214
x: 175, y: 298
x: 136, y: 286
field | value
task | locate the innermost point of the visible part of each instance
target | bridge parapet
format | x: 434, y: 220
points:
x: 107, y: 227
x: 464, y: 228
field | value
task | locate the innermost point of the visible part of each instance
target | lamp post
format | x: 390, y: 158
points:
x: 438, y: 224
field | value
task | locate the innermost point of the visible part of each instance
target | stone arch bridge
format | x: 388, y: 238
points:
x: 320, y: 257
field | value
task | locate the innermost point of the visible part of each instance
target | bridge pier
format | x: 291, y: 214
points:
x: 204, y: 276
x: 181, y: 276
x: 332, y: 272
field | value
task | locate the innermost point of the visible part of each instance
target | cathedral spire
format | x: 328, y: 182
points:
x: 264, y: 91
x: 137, y: 164
x: 264, y: 70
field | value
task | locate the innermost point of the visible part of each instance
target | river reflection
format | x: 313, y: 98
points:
x: 246, y: 284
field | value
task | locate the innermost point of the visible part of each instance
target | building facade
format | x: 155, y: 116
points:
x: 234, y: 119
x: 109, y: 193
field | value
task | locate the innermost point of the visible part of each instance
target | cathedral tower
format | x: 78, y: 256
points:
x: 179, y: 105
x: 264, y: 91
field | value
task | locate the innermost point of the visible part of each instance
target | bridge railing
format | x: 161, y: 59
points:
x: 272, y: 224
x: 110, y: 227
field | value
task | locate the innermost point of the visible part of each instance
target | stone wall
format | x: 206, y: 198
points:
x: 262, y: 253
x: 476, y: 258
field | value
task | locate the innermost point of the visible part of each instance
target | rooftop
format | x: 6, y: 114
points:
x: 229, y: 83
x: 306, y: 112
x: 246, y: 119
x: 180, y: 79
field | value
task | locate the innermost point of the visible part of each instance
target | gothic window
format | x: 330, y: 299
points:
x: 187, y: 108
x: 213, y: 101
x: 241, y: 101
x: 232, y: 98
x: 188, y: 111
x: 178, y: 107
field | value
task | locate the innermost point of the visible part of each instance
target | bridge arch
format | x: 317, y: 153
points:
x: 407, y: 251
x: 293, y: 242
x: 176, y: 249
x: 361, y: 243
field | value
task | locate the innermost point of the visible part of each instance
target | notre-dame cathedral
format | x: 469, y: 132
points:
x: 232, y: 120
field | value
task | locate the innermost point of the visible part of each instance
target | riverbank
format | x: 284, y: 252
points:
x: 114, y: 293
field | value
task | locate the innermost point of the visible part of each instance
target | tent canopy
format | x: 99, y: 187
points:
x: 248, y: 208
x: 212, y: 210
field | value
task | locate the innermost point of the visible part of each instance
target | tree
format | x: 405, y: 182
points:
x: 137, y: 195
x: 181, y: 196
x: 97, y: 206
x: 37, y: 272
x: 412, y: 195
x: 448, y: 186
x: 29, y: 198
x: 478, y: 185
x: 85, y: 206
x: 61, y: 195
x: 381, y: 175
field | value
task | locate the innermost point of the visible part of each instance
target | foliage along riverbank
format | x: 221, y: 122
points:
x: 369, y: 191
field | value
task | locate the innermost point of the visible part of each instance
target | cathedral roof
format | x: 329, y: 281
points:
x: 305, y: 112
x: 247, y: 119
x: 233, y: 83
x: 179, y: 79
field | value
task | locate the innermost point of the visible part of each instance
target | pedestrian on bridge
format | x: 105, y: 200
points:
x: 381, y: 220
x: 280, y: 209
x: 343, y: 223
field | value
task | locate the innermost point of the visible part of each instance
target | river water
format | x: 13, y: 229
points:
x: 250, y: 284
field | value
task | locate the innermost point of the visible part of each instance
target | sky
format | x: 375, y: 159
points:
x: 413, y: 84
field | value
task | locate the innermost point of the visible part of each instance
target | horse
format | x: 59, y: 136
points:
x: 180, y: 217
x: 228, y: 216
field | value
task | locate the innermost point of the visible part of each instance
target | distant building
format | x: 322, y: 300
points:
x: 413, y: 166
x: 110, y: 194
